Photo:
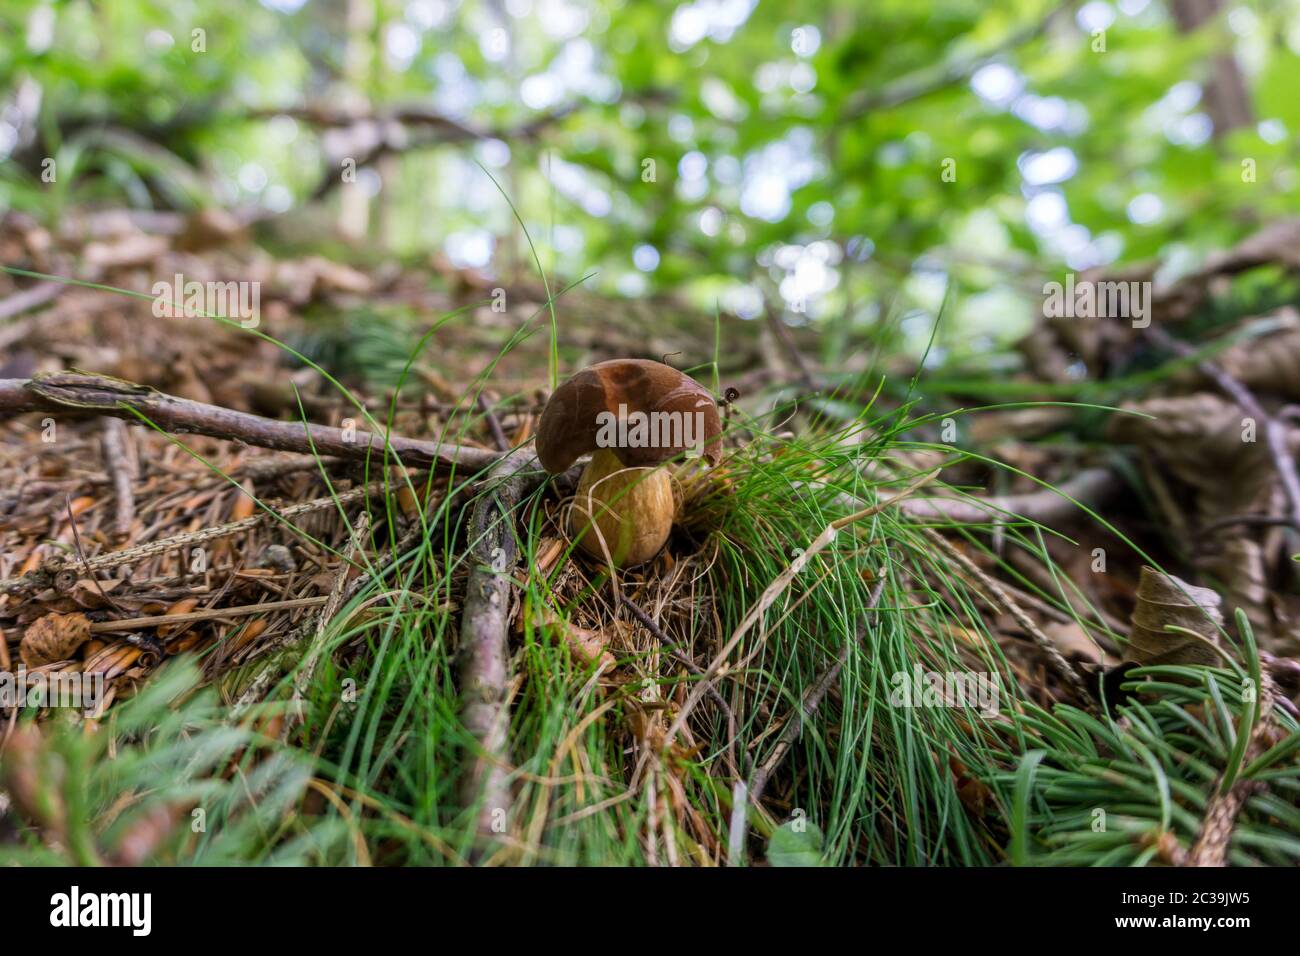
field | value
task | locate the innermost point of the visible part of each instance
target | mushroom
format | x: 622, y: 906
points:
x: 632, y: 415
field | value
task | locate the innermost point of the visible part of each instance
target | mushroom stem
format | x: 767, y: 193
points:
x: 621, y: 514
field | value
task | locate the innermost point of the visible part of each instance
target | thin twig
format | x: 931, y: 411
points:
x: 103, y: 562
x: 667, y: 644
x: 117, y: 457
x: 74, y: 393
x: 494, y: 423
x: 216, y: 613
x: 31, y: 298
x: 1090, y: 488
x: 1249, y: 520
x: 484, y: 630
x: 794, y: 725
x: 81, y: 553
x: 808, y: 707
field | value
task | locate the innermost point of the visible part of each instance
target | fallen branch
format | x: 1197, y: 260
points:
x: 30, y: 298
x: 494, y: 423
x: 210, y: 614
x: 1091, y: 488
x: 122, y: 468
x: 78, y: 393
x: 484, y: 628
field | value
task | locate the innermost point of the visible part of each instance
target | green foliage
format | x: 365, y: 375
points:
x: 165, y: 779
x: 825, y: 130
x: 1133, y: 787
x: 792, y: 846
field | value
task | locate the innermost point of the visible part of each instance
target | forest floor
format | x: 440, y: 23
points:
x: 785, y: 683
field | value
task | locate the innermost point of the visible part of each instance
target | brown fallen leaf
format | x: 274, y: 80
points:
x: 1199, y: 441
x: 246, y: 635
x: 408, y: 501
x: 54, y: 637
x: 1074, y: 641
x: 112, y: 660
x: 244, y: 504
x: 92, y: 594
x: 81, y: 505
x: 1162, y: 600
x: 183, y: 606
x: 588, y: 646
x: 974, y: 794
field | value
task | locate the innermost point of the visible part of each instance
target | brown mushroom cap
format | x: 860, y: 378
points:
x: 570, y: 423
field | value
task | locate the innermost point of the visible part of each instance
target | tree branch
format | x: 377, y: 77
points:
x: 70, y: 393
x: 1091, y: 487
x: 923, y: 83
x: 484, y: 629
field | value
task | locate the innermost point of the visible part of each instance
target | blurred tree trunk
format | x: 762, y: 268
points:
x: 1226, y: 98
x: 359, y: 24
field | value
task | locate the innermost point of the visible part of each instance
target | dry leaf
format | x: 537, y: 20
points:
x: 244, y: 504
x: 246, y: 635
x: 1163, y: 599
x: 80, y: 505
x: 183, y: 606
x: 1271, y: 362
x: 588, y: 646
x: 975, y: 795
x: 1073, y: 641
x: 112, y: 660
x: 54, y: 637
x: 1200, y: 440
x: 91, y: 594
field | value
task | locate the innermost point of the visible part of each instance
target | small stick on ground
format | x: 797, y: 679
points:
x: 665, y: 643
x: 81, y: 553
x: 484, y: 630
x: 187, y: 539
x: 494, y: 423
x: 30, y: 298
x: 75, y: 393
x: 1091, y: 488
x: 117, y: 457
x: 210, y: 614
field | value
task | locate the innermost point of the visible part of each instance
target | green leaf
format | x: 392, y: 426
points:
x: 796, y: 847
